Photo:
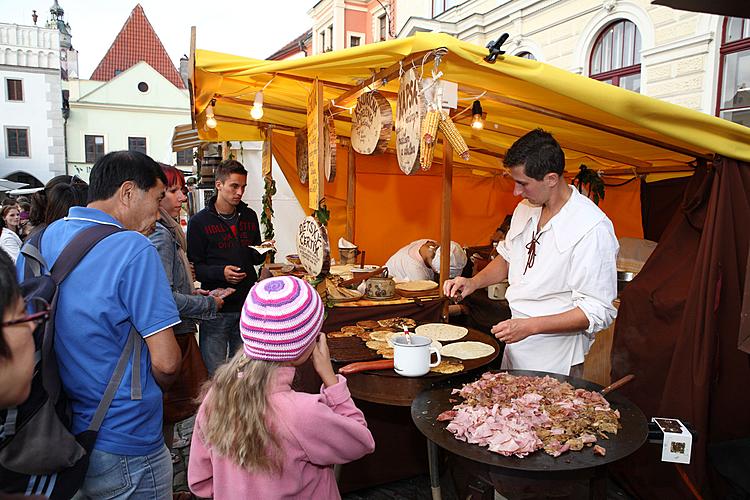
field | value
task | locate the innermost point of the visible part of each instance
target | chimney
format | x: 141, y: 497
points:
x: 184, y: 70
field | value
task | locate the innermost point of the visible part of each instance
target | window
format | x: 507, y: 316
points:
x: 616, y: 57
x: 354, y: 41
x: 330, y: 38
x: 137, y: 144
x: 185, y: 157
x: 15, y: 89
x: 94, y: 145
x: 143, y: 87
x: 734, y: 84
x: 440, y: 6
x: 323, y: 41
x: 526, y: 55
x: 17, y: 142
x: 381, y: 28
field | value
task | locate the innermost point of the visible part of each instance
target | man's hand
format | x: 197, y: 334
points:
x: 321, y: 359
x: 233, y: 275
x: 514, y: 330
x: 219, y: 301
x: 460, y: 285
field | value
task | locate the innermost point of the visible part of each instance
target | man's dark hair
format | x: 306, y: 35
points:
x: 538, y: 152
x: 9, y: 293
x: 114, y: 168
x: 227, y: 168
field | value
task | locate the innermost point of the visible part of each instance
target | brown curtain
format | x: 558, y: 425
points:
x: 659, y: 202
x: 677, y: 330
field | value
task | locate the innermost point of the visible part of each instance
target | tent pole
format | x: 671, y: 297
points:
x: 445, y: 218
x: 351, y: 193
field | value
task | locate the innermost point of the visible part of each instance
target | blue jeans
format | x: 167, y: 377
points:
x: 219, y: 339
x: 133, y: 477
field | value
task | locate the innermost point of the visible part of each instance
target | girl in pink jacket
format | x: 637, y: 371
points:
x: 255, y: 437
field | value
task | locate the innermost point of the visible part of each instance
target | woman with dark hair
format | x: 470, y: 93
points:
x: 169, y: 240
x: 16, y: 340
x: 10, y: 219
x: 47, y: 207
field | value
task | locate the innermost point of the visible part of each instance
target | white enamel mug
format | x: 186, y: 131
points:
x: 412, y: 359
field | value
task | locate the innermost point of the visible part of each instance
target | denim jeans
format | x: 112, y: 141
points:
x: 219, y: 339
x: 123, y: 476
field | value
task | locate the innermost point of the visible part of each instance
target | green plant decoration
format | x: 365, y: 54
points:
x: 593, y: 183
x: 269, y: 189
x: 322, y: 213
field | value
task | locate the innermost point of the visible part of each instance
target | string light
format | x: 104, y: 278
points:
x: 257, y: 111
x: 210, y: 119
x: 477, y: 119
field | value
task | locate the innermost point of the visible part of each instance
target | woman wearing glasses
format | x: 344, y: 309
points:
x: 16, y: 340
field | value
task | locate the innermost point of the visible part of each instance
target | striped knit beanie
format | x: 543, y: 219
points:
x: 280, y: 319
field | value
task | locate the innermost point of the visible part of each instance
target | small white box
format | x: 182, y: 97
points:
x: 678, y: 441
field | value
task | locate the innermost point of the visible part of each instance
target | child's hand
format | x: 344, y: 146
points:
x: 322, y: 361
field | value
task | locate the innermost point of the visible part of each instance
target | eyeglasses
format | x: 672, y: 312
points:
x: 39, y: 316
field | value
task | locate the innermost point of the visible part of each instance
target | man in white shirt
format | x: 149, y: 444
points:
x: 420, y: 260
x: 559, y: 258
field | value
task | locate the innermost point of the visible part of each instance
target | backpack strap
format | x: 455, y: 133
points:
x: 34, y: 261
x: 69, y: 258
x: 132, y: 346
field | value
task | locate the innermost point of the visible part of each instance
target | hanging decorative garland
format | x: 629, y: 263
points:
x: 588, y: 179
x: 266, y: 215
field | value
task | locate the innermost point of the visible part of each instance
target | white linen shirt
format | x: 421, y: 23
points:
x: 574, y: 267
x: 407, y: 265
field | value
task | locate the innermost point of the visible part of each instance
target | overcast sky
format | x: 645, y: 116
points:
x: 252, y: 28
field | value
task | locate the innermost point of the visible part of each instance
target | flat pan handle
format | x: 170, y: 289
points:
x: 617, y: 384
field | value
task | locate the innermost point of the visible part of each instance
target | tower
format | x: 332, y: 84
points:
x: 68, y: 55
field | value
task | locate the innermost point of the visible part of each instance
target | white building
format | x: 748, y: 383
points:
x: 32, y: 148
x: 133, y: 101
x: 700, y: 61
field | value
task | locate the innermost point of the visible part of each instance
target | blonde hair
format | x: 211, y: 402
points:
x: 237, y: 414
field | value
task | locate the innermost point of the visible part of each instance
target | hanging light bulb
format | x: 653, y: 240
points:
x: 477, y: 121
x: 257, y: 111
x: 210, y: 119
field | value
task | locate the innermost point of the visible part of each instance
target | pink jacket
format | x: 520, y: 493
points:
x: 314, y: 431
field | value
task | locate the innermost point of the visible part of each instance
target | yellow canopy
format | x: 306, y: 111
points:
x: 598, y: 124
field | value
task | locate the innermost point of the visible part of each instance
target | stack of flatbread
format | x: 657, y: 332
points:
x: 417, y: 286
x: 340, y: 294
x: 441, y: 331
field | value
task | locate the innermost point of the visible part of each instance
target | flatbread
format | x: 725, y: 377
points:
x: 417, y: 286
x: 368, y: 324
x: 441, y: 331
x: 386, y: 353
x: 448, y: 366
x: 352, y: 329
x: 436, y: 344
x: 382, y: 335
x: 467, y: 350
x: 338, y: 335
x: 397, y: 322
x: 377, y: 345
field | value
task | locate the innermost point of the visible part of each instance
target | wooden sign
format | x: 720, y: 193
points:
x: 372, y: 124
x: 301, y: 137
x: 329, y: 158
x: 315, y: 145
x: 313, y: 247
x: 410, y: 108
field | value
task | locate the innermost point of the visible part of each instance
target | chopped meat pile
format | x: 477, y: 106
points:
x: 517, y: 415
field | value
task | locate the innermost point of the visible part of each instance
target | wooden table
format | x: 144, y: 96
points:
x: 385, y: 398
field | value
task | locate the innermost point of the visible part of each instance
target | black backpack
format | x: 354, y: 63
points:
x: 39, y: 455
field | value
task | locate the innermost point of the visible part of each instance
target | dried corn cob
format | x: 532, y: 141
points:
x: 430, y: 126
x: 453, y: 136
x: 426, y: 153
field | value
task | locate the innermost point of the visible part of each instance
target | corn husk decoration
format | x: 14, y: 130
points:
x: 451, y: 133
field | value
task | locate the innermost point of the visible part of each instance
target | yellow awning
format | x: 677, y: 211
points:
x: 603, y: 126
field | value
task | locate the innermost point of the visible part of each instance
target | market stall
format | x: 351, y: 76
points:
x: 380, y: 200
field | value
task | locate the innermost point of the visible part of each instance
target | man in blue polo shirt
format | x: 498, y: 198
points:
x: 119, y: 283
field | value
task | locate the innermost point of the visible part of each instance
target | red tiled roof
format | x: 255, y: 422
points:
x: 137, y: 41
x: 292, y: 47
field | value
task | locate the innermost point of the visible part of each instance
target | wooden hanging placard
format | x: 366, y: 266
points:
x: 372, y: 123
x: 315, y: 146
x: 410, y: 109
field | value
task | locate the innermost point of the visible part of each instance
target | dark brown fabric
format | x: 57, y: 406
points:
x: 659, y: 203
x: 179, y: 399
x: 677, y: 331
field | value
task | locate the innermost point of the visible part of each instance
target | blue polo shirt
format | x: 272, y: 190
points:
x: 120, y: 280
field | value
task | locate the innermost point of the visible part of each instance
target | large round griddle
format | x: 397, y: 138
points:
x: 430, y: 403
